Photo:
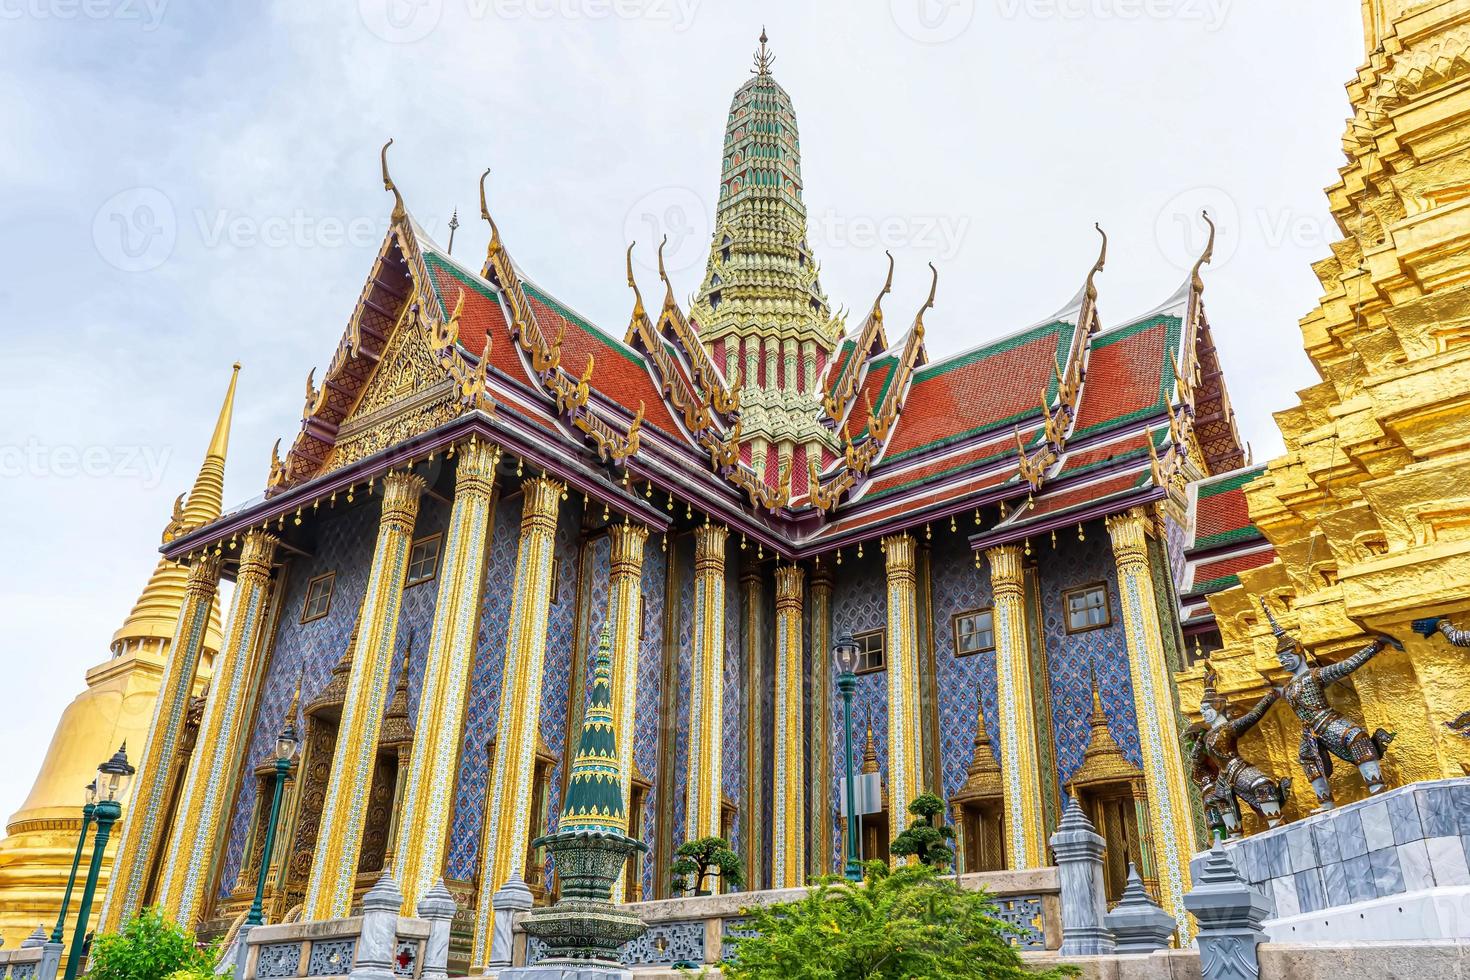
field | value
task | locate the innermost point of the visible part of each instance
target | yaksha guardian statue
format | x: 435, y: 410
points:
x: 1457, y: 637
x: 1224, y: 776
x: 1327, y: 732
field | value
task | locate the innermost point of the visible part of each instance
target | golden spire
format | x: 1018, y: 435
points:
x: 156, y: 612
x: 763, y: 57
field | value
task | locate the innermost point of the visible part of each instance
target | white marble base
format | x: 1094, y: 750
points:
x: 1430, y: 914
x: 564, y: 971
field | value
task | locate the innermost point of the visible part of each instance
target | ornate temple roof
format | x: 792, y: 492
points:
x: 749, y: 406
x: 1223, y: 541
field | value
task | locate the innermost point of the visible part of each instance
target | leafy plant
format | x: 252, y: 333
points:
x: 899, y: 924
x: 927, y: 838
x: 150, y: 947
x: 704, y: 858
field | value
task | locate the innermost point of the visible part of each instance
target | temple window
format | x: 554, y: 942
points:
x: 974, y: 631
x: 1087, y: 608
x: 318, y: 597
x: 423, y: 560
x: 870, y: 656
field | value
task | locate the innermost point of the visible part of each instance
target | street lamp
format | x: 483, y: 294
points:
x: 76, y: 860
x: 285, y: 749
x: 846, y: 652
x: 113, y: 777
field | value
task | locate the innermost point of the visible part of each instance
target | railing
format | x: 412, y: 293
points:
x: 33, y: 959
x: 328, y: 949
x: 695, y: 931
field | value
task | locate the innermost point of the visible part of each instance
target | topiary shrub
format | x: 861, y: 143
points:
x: 151, y: 947
x: 898, y: 925
x: 926, y: 838
x: 699, y: 860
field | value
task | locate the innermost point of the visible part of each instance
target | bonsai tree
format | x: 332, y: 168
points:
x: 928, y: 837
x: 150, y: 947
x: 897, y: 925
x: 698, y: 860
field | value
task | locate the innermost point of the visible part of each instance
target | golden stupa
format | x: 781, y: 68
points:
x: 1367, y: 509
x: 115, y: 707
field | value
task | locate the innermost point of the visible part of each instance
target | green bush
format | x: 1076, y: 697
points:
x: 900, y: 924
x: 927, y: 838
x: 699, y: 861
x: 151, y: 947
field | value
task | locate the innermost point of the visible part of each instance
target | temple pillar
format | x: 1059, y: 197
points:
x: 344, y: 810
x: 221, y: 741
x: 706, y: 683
x: 788, y: 835
x: 428, y: 795
x: 624, y: 596
x: 1163, y: 763
x: 819, y: 797
x: 1025, y: 829
x: 905, y: 724
x: 507, y: 833
x: 142, y: 829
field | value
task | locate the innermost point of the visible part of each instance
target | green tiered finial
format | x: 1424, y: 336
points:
x: 594, y: 791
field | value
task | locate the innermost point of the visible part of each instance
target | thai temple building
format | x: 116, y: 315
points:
x: 1021, y: 537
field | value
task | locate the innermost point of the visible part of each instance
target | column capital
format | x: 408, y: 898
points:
x: 898, y: 552
x: 543, y: 499
x: 204, y: 574
x: 823, y: 579
x: 401, y: 492
x: 627, y: 547
x: 709, y: 545
x: 789, y: 580
x: 256, y: 553
x: 1007, y: 567
x: 1129, y: 531
x: 475, y: 471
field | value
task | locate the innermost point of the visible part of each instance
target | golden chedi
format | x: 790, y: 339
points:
x: 1367, y: 509
x: 116, y: 707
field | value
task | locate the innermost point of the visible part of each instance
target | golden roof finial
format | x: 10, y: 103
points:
x: 638, y: 311
x: 928, y: 303
x: 763, y: 57
x: 1207, y: 255
x: 669, y: 295
x: 399, y: 212
x: 1102, y: 258
x: 494, y: 245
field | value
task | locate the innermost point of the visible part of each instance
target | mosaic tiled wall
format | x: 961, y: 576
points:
x: 556, y: 673
x: 684, y: 630
x: 958, y: 586
x: 732, y: 719
x: 344, y: 544
x: 649, y: 724
x: 859, y: 604
x: 1072, y: 657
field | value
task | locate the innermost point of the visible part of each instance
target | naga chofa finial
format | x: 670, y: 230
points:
x: 668, y: 286
x: 399, y: 212
x: 1097, y: 266
x: 763, y: 57
x: 1207, y: 255
x: 638, y: 310
x: 928, y: 303
x: 888, y: 283
x: 485, y: 213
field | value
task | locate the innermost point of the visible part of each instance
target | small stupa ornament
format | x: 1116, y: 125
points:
x: 589, y: 846
x: 763, y: 57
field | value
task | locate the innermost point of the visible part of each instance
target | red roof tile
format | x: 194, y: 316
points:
x: 1127, y: 373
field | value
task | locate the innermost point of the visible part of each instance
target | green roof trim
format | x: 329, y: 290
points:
x: 593, y: 331
x: 437, y: 261
x: 1173, y: 327
x: 1060, y: 328
x: 1213, y: 585
x: 1229, y: 483
x: 1248, y: 533
x: 918, y: 480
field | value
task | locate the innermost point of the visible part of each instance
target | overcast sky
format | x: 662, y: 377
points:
x: 182, y: 186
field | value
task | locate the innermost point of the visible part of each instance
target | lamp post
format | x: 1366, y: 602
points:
x: 113, y: 777
x: 285, y: 749
x: 845, y: 652
x: 76, y: 859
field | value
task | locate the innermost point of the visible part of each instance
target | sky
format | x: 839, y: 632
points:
x: 187, y: 185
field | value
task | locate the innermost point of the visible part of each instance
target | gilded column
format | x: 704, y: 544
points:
x: 753, y: 810
x: 142, y: 828
x: 625, y: 591
x: 334, y: 864
x: 1163, y: 765
x: 509, y: 829
x: 1025, y: 842
x: 220, y: 744
x: 788, y: 806
x: 428, y: 794
x: 706, y: 682
x: 819, y: 796
x: 905, y: 726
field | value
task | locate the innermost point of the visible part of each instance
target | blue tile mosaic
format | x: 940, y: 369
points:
x: 967, y: 682
x: 859, y: 604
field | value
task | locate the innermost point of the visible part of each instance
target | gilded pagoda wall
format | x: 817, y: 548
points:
x: 964, y: 681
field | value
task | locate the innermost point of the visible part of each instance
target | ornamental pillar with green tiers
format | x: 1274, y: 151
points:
x: 584, y: 929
